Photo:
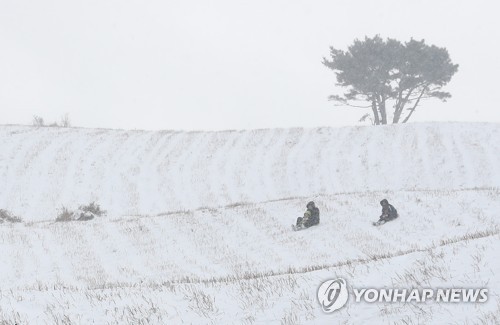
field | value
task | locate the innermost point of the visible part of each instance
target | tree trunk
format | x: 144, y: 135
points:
x: 383, y: 112
x: 375, y: 111
x: 398, y: 108
x: 397, y: 111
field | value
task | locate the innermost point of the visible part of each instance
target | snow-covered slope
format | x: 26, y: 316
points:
x: 139, y: 172
x: 198, y: 225
x: 243, y: 264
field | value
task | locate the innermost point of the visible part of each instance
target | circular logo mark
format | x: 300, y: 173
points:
x: 332, y: 295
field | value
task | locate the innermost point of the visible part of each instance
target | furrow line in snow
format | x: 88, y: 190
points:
x: 468, y: 238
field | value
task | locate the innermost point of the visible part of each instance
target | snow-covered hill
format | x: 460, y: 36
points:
x: 139, y: 172
x: 198, y: 224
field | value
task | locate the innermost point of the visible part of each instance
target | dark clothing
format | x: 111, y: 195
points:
x: 388, y: 213
x: 311, y: 218
x: 314, y: 220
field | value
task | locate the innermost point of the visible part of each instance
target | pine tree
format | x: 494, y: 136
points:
x: 378, y: 72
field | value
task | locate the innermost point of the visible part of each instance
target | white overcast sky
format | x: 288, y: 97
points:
x: 225, y: 64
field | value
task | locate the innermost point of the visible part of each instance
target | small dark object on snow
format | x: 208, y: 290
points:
x: 310, y: 218
x: 389, y: 213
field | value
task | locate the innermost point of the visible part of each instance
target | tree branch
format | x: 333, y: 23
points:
x: 354, y: 106
x: 415, y: 106
x: 401, y: 103
x: 342, y: 101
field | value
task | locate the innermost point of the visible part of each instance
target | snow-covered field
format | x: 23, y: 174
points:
x: 139, y: 172
x: 198, y: 224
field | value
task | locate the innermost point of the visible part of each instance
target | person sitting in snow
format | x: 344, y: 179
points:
x: 388, y: 212
x: 311, y: 216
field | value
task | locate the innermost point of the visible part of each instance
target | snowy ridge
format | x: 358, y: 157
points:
x: 140, y: 172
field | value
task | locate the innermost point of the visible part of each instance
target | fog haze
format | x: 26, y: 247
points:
x: 224, y: 64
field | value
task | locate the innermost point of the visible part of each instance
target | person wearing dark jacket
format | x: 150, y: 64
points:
x: 388, y: 212
x: 311, y: 216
